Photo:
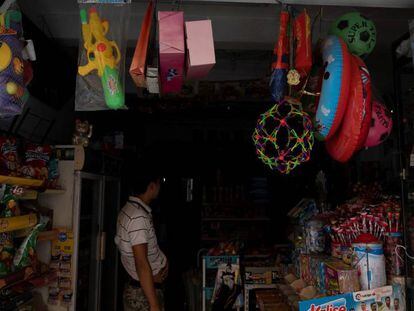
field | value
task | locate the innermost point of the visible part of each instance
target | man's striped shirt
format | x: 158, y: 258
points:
x: 135, y: 227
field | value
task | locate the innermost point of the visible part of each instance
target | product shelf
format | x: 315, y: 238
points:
x: 20, y: 181
x: 9, y: 224
x: 33, y: 194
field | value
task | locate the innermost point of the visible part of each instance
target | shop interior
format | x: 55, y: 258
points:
x: 303, y: 189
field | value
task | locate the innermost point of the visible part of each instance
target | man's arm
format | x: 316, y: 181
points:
x: 145, y: 275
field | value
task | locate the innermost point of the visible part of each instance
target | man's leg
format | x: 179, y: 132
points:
x: 134, y: 299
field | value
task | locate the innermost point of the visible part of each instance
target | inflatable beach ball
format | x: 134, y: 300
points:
x: 357, y: 31
x: 381, y: 125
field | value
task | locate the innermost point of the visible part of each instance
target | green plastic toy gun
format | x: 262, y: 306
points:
x: 103, y: 55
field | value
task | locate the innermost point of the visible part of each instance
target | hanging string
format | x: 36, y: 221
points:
x: 405, y: 251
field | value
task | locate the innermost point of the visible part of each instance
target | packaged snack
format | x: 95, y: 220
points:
x: 53, y: 169
x: 9, y: 160
x: 340, y: 278
x: 66, y: 298
x: 26, y: 254
x: 6, y: 253
x: 36, y: 160
x: 53, y: 298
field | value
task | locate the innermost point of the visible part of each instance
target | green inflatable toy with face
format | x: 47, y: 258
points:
x: 357, y: 31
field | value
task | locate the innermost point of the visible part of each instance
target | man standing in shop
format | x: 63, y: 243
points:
x: 141, y: 257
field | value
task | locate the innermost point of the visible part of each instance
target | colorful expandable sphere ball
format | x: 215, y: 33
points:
x: 381, y: 125
x: 283, y: 136
x: 358, y: 32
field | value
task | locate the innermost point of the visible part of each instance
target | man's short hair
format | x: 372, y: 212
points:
x: 141, y: 176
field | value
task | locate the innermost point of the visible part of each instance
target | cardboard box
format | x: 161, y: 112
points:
x: 340, y: 278
x: 383, y: 298
x: 200, y: 46
x: 172, y: 51
x: 260, y: 275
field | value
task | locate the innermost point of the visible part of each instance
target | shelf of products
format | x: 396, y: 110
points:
x: 15, y: 223
x: 20, y: 181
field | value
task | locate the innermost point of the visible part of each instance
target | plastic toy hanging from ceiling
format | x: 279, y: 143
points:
x: 15, y: 71
x: 284, y: 136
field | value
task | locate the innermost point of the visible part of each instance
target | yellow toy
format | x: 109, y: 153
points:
x: 103, y: 55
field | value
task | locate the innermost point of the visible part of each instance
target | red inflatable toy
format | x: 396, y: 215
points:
x: 366, y: 123
x: 345, y: 142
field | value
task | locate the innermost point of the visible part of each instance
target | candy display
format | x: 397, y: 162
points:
x: 370, y: 261
x: 284, y: 136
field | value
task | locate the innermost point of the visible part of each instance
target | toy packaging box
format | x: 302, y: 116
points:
x: 172, y: 51
x: 387, y: 298
x: 261, y: 275
x: 200, y: 46
x: 340, y: 278
x: 332, y: 303
x: 312, y: 270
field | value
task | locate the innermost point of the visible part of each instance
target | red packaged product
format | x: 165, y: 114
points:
x: 302, y: 31
x: 36, y: 159
x: 9, y: 161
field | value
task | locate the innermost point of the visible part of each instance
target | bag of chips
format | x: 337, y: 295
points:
x: 9, y: 160
x: 36, y: 160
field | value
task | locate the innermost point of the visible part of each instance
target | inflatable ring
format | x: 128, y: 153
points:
x: 366, y: 84
x: 335, y: 87
x: 346, y: 141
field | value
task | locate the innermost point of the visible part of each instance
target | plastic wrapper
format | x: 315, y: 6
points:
x: 36, y: 161
x: 102, y: 47
x: 340, y: 278
x: 26, y: 254
x: 15, y: 70
x: 9, y: 159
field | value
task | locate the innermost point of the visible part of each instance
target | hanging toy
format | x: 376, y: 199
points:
x: 344, y: 143
x: 335, y: 87
x: 358, y: 32
x: 381, y: 125
x: 303, y: 39
x: 284, y: 136
x: 103, y: 56
x: 278, y: 78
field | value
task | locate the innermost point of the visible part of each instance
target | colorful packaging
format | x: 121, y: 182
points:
x: 330, y: 303
x: 200, y: 46
x: 26, y: 253
x: 382, y: 298
x: 315, y: 236
x: 36, y: 160
x: 6, y: 253
x: 370, y: 261
x: 172, y: 51
x: 9, y: 159
x: 340, y: 278
x: 385, y: 298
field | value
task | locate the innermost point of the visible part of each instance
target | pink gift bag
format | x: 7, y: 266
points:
x: 200, y: 45
x: 172, y: 51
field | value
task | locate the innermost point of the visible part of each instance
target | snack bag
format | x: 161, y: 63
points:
x: 53, y: 176
x: 26, y: 254
x: 9, y: 161
x: 6, y: 253
x: 36, y: 160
